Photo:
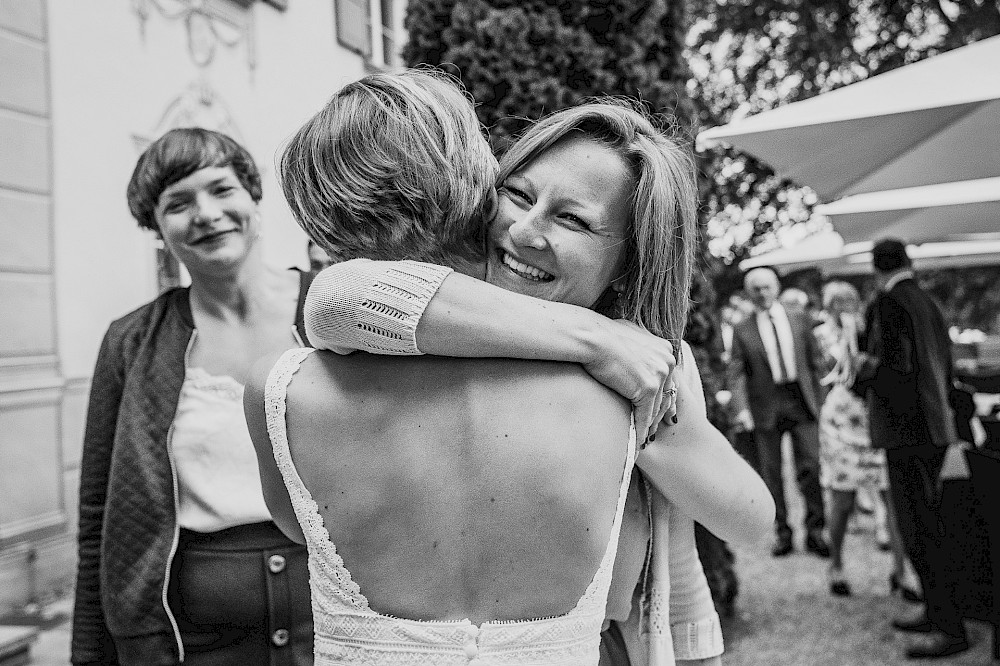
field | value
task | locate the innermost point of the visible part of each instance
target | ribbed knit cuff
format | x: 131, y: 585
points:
x: 698, y: 640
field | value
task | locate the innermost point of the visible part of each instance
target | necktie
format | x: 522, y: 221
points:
x: 783, y: 374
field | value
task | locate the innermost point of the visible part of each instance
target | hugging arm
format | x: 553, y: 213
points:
x: 388, y: 307
x: 696, y: 468
x: 695, y: 629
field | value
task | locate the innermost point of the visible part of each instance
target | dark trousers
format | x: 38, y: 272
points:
x: 913, y: 473
x: 241, y: 596
x: 792, y: 416
x: 745, y: 444
x: 613, y: 652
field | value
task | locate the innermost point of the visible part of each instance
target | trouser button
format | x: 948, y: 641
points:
x: 276, y: 563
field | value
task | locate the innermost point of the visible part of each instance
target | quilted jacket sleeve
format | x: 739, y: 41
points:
x: 91, y: 642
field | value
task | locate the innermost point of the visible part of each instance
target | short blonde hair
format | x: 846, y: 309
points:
x: 660, y: 250
x: 395, y: 166
x: 839, y: 289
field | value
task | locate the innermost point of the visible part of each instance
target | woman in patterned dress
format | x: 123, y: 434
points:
x: 848, y: 461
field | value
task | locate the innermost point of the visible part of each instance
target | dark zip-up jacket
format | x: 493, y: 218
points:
x: 128, y: 518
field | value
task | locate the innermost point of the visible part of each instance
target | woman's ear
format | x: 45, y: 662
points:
x: 618, y: 285
x: 491, y: 206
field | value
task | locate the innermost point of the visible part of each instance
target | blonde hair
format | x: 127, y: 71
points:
x: 659, y: 254
x: 839, y: 289
x: 394, y: 166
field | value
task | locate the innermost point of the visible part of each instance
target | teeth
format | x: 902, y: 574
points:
x: 524, y: 270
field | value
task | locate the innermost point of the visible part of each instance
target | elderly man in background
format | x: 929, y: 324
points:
x: 905, y: 376
x: 774, y: 378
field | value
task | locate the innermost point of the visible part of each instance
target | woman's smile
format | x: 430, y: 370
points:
x: 212, y: 236
x: 521, y: 269
x: 208, y: 218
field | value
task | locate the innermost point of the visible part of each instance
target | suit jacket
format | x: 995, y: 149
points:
x: 906, y: 379
x: 749, y: 373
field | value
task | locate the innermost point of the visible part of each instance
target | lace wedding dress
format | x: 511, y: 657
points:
x: 348, y: 631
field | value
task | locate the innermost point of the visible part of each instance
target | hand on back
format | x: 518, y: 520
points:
x: 638, y: 366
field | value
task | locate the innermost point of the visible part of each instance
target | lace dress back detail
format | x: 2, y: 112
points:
x: 348, y: 631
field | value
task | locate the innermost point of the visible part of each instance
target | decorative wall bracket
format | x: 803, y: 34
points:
x: 208, y: 24
x: 198, y: 106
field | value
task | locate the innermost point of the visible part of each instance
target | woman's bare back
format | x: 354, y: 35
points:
x: 455, y: 488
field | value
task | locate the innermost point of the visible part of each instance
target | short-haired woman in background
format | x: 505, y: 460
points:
x: 179, y: 560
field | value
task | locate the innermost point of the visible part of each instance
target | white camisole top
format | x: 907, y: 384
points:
x: 348, y: 631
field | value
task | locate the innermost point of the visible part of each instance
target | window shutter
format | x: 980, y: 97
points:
x: 353, y: 30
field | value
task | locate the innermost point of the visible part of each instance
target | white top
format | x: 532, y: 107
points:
x: 217, y: 477
x: 681, y: 622
x: 784, y: 329
x: 348, y: 631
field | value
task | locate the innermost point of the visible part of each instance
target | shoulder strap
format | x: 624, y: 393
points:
x: 595, y: 599
x: 274, y: 411
x: 318, y: 540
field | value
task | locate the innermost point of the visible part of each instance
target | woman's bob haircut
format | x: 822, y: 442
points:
x: 395, y: 166
x: 178, y: 154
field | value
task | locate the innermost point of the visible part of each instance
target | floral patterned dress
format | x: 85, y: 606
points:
x: 847, y: 459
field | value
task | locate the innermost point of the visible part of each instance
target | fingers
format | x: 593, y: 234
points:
x: 664, y: 405
x: 643, y: 413
x: 656, y: 414
x: 670, y: 404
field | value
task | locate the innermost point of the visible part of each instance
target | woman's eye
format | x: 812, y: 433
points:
x: 174, y: 207
x: 516, y: 193
x: 575, y: 221
x: 225, y: 190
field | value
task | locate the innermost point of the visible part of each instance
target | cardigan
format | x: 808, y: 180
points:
x: 127, y: 515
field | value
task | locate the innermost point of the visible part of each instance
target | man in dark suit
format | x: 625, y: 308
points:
x: 774, y: 378
x: 905, y: 376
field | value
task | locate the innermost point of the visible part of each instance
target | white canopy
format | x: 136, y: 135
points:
x: 855, y: 258
x: 810, y: 251
x: 917, y: 214
x: 935, y: 121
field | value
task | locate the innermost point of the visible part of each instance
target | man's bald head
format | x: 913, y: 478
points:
x: 762, y: 287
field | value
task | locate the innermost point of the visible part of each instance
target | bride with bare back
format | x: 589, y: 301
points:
x: 456, y: 510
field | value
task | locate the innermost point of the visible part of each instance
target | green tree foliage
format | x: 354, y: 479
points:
x: 969, y: 297
x: 748, y: 56
x: 523, y: 59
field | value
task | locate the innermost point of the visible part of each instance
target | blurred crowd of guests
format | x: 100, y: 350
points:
x: 859, y: 389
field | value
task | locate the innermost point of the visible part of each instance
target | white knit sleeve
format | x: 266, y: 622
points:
x: 372, y: 306
x: 694, y: 622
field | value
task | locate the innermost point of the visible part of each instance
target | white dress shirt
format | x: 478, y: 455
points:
x: 784, y: 329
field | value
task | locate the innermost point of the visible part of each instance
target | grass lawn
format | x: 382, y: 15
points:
x: 786, y: 615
